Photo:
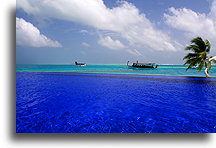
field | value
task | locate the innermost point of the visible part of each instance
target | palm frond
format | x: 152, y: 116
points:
x: 209, y: 65
x: 193, y: 48
x: 200, y: 66
x: 199, y: 56
x: 189, y: 61
x: 208, y: 46
x: 193, y: 62
x: 200, y: 43
x: 202, y: 55
x: 190, y: 55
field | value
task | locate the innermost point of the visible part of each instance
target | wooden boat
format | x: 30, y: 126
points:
x: 143, y: 65
x: 80, y: 64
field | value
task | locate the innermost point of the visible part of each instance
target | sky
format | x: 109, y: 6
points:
x: 111, y: 31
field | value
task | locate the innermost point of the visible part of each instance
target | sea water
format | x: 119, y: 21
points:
x: 101, y: 99
x: 170, y: 70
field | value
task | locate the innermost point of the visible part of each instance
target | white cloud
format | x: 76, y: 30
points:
x: 28, y: 35
x: 213, y: 10
x: 83, y: 31
x: 125, y: 20
x: 192, y: 23
x: 86, y: 32
x: 85, y: 44
x: 135, y: 52
x: 110, y: 43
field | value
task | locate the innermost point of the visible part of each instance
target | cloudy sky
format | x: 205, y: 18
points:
x: 110, y: 31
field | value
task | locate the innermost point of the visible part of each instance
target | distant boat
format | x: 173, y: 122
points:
x: 143, y: 65
x: 80, y: 64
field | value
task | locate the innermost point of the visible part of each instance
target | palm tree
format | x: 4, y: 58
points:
x: 199, y: 56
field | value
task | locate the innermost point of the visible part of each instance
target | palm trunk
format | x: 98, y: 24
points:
x: 212, y: 59
x: 206, y: 73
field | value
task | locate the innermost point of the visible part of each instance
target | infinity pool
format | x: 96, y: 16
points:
x: 106, y: 103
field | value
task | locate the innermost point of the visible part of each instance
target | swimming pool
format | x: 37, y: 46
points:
x: 48, y: 102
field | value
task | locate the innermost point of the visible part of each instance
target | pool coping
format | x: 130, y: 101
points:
x: 124, y: 75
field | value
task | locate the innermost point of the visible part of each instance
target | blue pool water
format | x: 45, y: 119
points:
x: 112, y: 103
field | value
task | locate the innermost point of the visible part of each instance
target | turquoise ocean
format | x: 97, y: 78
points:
x: 167, y: 70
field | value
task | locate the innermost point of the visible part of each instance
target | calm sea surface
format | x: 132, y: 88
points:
x: 172, y: 70
x: 97, y: 99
